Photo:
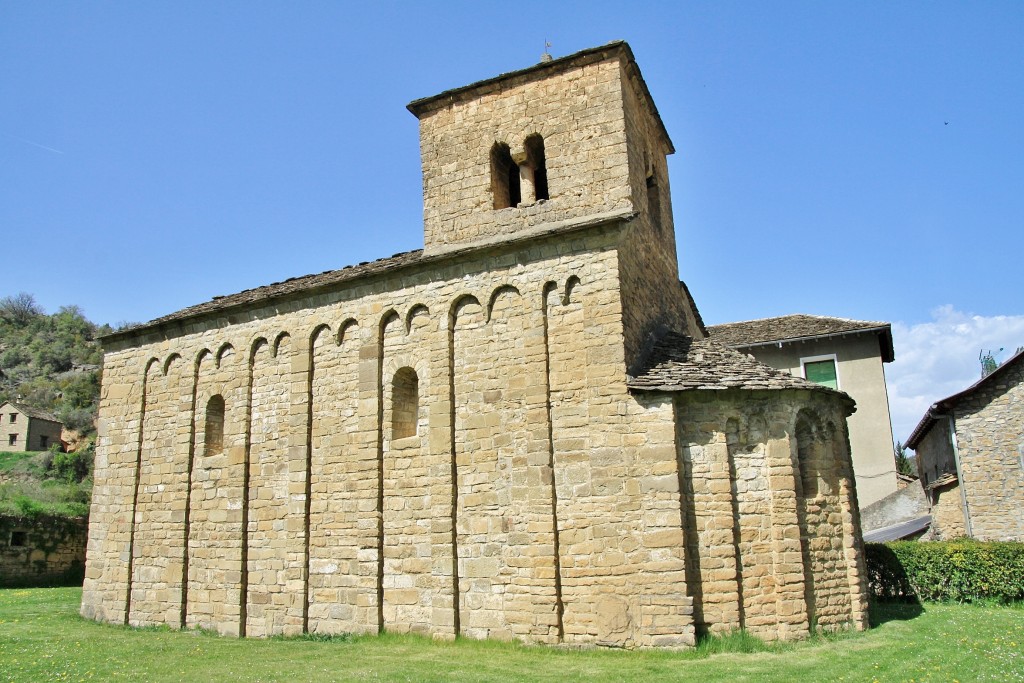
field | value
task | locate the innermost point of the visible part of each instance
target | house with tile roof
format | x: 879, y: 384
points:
x: 520, y: 431
x: 25, y: 428
x: 970, y: 456
x: 847, y: 355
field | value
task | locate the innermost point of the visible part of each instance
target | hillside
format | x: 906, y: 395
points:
x: 52, y: 362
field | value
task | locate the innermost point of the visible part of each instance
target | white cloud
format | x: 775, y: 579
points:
x: 939, y: 358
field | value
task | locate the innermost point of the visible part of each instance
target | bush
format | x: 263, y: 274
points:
x: 957, y: 571
x: 72, y: 467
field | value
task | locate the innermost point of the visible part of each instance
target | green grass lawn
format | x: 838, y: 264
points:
x: 9, y: 459
x: 42, y: 638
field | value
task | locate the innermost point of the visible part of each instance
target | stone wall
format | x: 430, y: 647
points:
x: 934, y: 454
x: 773, y: 537
x: 537, y: 499
x: 990, y: 437
x: 861, y: 374
x: 947, y: 513
x: 41, y: 550
x: 43, y: 434
x: 574, y: 105
x: 652, y: 302
x: 19, y: 432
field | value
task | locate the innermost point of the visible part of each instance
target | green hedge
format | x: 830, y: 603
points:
x: 958, y: 571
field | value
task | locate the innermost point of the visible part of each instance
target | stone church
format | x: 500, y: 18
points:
x: 520, y: 431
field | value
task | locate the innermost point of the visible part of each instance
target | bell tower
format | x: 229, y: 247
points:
x: 550, y: 144
x: 566, y: 143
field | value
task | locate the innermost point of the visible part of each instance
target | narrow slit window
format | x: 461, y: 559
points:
x: 214, y: 434
x: 505, y: 184
x: 654, y: 202
x: 405, y: 399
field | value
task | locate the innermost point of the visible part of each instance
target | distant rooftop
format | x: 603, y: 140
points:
x: 681, y: 363
x: 942, y: 407
x: 34, y: 413
x: 798, y: 327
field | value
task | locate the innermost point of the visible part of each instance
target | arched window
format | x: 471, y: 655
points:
x: 535, y: 167
x: 405, y: 403
x: 504, y: 177
x: 805, y: 439
x: 213, y: 442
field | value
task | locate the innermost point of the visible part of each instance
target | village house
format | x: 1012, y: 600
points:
x: 520, y: 431
x: 28, y: 429
x: 848, y: 355
x: 970, y: 456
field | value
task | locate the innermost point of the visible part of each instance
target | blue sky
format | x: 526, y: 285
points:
x: 862, y: 160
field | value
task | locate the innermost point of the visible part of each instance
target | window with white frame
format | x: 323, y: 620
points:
x: 821, y: 370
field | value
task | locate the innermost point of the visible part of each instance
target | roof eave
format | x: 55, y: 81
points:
x: 944, y: 406
x: 177, y: 324
x: 590, y: 55
x: 884, y: 332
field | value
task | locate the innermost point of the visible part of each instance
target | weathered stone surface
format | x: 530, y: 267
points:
x: 970, y: 454
x: 447, y: 443
x: 39, y: 550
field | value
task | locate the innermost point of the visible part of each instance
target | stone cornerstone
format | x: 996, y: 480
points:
x: 520, y: 431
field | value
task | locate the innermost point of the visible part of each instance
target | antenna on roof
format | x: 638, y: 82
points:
x: 545, y: 56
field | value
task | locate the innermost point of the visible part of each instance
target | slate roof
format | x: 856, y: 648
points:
x: 681, y: 363
x: 34, y: 413
x: 898, y: 531
x: 942, y: 407
x: 292, y: 285
x: 798, y: 327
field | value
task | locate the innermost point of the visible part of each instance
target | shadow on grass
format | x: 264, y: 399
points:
x: 881, y: 612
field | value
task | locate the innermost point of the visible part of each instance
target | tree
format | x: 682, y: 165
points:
x: 903, y: 461
x: 51, y: 362
x: 20, y: 309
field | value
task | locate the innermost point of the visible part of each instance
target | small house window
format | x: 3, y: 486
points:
x: 12, y: 439
x: 821, y: 370
x: 405, y: 399
x: 44, y: 441
x: 504, y: 177
x: 19, y: 539
x: 14, y: 418
x: 214, y: 434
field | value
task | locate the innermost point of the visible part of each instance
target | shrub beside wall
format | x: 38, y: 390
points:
x: 960, y: 571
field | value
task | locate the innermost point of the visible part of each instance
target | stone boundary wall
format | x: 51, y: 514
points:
x: 43, y: 550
